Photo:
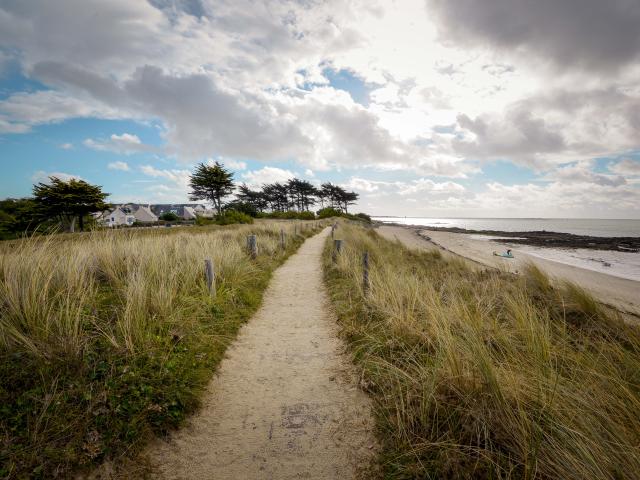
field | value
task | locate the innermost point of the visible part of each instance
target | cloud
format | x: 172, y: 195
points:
x: 12, y: 127
x: 172, y: 185
x: 424, y: 185
x: 257, y: 178
x: 234, y: 164
x: 626, y: 166
x: 20, y: 111
x: 66, y: 146
x: 557, y: 126
x: 44, y: 177
x: 124, y: 166
x: 589, y: 34
x: 581, y: 172
x: 123, y: 144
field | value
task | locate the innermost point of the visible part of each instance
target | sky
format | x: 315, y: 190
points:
x: 445, y: 108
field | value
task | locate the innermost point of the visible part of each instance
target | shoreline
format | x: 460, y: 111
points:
x: 618, y: 292
x: 541, y: 238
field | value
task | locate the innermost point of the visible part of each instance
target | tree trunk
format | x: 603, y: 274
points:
x: 72, y: 225
x: 81, y: 222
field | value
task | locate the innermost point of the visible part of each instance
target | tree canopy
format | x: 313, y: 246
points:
x: 212, y: 183
x: 69, y: 200
x: 295, y: 195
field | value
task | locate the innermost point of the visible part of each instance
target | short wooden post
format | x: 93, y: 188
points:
x: 210, y: 276
x: 365, y: 272
x: 337, y: 248
x: 295, y: 229
x: 282, y: 242
x: 252, y: 244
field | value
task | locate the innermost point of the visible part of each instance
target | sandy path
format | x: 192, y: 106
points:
x: 284, y: 403
x: 622, y: 293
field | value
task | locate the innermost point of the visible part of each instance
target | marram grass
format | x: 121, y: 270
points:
x: 482, y: 374
x: 107, y: 338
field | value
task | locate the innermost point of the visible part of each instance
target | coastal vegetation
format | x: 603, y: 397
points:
x: 57, y: 204
x: 478, y: 373
x: 110, y: 337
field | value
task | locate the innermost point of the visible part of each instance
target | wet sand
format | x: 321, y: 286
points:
x: 623, y: 294
x: 285, y: 402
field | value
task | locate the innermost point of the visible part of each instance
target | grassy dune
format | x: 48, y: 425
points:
x: 110, y: 337
x: 486, y: 375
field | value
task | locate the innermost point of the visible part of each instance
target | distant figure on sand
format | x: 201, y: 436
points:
x: 505, y: 255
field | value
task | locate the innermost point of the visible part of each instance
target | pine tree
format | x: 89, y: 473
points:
x: 69, y: 200
x: 212, y: 183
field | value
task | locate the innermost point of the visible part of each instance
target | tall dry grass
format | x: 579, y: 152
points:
x: 107, y: 337
x: 481, y: 374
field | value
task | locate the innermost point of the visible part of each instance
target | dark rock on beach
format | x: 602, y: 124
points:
x: 554, y: 239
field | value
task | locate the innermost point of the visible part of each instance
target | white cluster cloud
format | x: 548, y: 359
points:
x: 118, y: 165
x: 454, y: 85
x: 123, y: 144
x: 257, y: 178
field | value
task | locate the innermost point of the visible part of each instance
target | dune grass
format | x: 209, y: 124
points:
x: 482, y: 374
x: 108, y: 338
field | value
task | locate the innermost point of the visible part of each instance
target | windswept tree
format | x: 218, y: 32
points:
x: 69, y: 200
x: 348, y: 198
x: 212, y: 183
x: 250, y: 197
x: 277, y: 196
x: 337, y: 197
x: 302, y: 193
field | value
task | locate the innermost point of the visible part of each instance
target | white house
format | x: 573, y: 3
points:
x: 144, y: 214
x: 118, y: 217
x: 188, y: 213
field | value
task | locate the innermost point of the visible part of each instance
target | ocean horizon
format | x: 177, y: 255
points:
x: 595, y: 227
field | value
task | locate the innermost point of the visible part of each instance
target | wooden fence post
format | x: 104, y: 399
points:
x: 365, y: 272
x: 282, y: 242
x: 252, y: 245
x: 337, y: 248
x: 210, y: 276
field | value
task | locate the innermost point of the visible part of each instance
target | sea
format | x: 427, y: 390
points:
x: 595, y: 227
x: 619, y: 264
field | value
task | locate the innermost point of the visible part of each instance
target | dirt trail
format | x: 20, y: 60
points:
x: 285, y: 402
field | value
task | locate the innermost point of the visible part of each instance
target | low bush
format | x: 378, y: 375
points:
x: 329, y: 212
x: 169, y: 217
x: 291, y: 215
x: 229, y: 217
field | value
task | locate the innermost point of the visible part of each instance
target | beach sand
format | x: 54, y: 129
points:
x: 621, y: 293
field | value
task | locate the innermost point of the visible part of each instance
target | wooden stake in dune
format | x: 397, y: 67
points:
x: 337, y: 248
x: 365, y: 272
x: 282, y: 242
x: 210, y: 276
x: 252, y: 246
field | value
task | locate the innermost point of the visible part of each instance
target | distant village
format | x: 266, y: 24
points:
x: 128, y: 214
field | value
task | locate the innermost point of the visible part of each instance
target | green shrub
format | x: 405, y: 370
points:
x: 232, y: 216
x: 329, y: 212
x: 306, y: 215
x: 169, y: 217
x: 291, y: 215
x: 202, y: 221
x: 243, y: 207
x: 363, y: 216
